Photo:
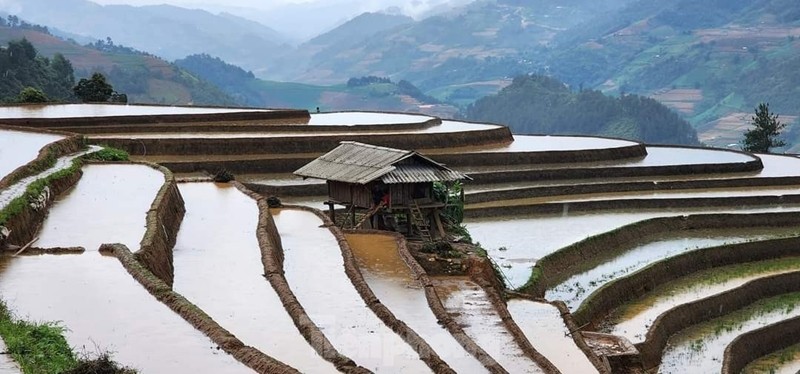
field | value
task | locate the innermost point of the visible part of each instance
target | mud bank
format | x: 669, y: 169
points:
x: 617, y: 293
x: 288, y: 144
x: 24, y: 225
x: 278, y: 124
x: 757, y: 343
x: 686, y: 315
x: 163, y: 222
x: 560, y: 265
x: 614, y: 172
x: 500, y: 210
x: 249, y: 356
x: 597, y: 188
x: 75, y: 122
x: 543, y: 157
x: 70, y: 143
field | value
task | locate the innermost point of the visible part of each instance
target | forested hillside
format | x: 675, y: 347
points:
x: 22, y: 67
x: 143, y: 77
x: 535, y: 104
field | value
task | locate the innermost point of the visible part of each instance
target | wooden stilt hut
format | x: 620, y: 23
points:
x: 376, y: 184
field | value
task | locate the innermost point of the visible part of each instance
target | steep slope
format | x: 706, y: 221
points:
x: 144, y: 78
x: 167, y: 31
x: 541, y: 105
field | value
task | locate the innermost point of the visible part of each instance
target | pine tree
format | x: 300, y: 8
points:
x: 766, y: 131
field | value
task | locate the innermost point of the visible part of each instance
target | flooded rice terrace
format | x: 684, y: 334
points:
x: 218, y: 267
x: 17, y: 148
x: 395, y: 285
x: 107, y: 110
x: 315, y: 271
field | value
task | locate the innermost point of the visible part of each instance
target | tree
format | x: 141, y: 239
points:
x: 94, y: 89
x: 32, y: 95
x: 766, y: 131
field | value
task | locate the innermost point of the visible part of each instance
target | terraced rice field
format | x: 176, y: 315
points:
x: 231, y: 286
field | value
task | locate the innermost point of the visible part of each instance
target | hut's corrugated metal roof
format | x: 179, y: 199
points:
x: 353, y: 162
x: 420, y: 174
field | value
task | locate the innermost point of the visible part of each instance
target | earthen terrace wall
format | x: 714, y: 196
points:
x: 621, y: 291
x: 49, y: 153
x: 757, y: 343
x: 558, y: 266
x: 686, y: 315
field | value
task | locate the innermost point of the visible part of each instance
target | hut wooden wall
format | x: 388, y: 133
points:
x: 347, y: 193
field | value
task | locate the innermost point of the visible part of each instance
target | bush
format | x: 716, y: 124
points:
x: 223, y: 176
x: 103, y: 364
x: 109, y: 154
x: 32, y: 95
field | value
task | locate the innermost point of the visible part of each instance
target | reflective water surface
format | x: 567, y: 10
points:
x: 470, y: 307
x: 545, y: 329
x: 315, y: 271
x: 104, y: 309
x: 106, y: 110
x: 17, y: 148
x: 218, y: 267
x: 365, y: 118
x: 393, y: 283
x: 108, y: 205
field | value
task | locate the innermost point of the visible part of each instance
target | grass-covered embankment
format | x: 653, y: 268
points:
x: 41, y: 348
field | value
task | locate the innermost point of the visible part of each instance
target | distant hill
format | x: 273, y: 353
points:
x: 166, y: 31
x: 144, y: 78
x: 368, y: 93
x: 540, y: 105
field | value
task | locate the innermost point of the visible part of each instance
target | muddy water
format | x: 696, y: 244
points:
x: 786, y: 361
x: 702, y: 346
x: 577, y: 288
x: 516, y: 243
x: 108, y: 205
x: 105, y: 110
x: 315, y: 272
x: 18, y: 189
x: 218, y: 267
x: 393, y: 283
x: 470, y: 306
x: 105, y: 309
x: 17, y: 148
x: 365, y: 118
x: 545, y: 329
x: 633, y: 320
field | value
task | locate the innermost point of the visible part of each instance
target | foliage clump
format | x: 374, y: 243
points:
x: 765, y: 133
x: 453, y: 213
x: 109, y: 154
x: 223, y: 176
x: 32, y: 95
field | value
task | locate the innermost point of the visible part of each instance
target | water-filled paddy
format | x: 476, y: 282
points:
x: 516, y: 243
x: 545, y: 329
x: 578, y: 287
x: 786, y: 361
x: 104, y: 309
x: 315, y: 271
x: 633, y: 319
x: 471, y: 308
x: 543, y: 143
x: 107, y: 110
x: 365, y: 118
x: 17, y: 148
x: 702, y: 346
x: 218, y: 267
x: 108, y: 205
x: 394, y: 284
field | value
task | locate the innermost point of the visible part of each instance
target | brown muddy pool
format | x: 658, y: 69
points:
x: 17, y: 148
x: 104, y: 309
x: 108, y: 205
x: 470, y: 306
x: 315, y: 271
x: 218, y: 267
x: 393, y: 283
x: 545, y: 329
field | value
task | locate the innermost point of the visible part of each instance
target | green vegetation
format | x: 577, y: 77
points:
x: 34, y: 190
x: 108, y: 154
x: 765, y: 133
x: 772, y: 362
x: 94, y: 89
x: 29, y: 77
x: 40, y: 348
x: 535, y: 104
